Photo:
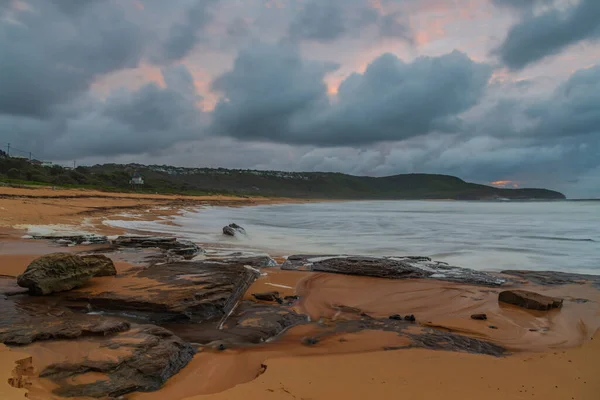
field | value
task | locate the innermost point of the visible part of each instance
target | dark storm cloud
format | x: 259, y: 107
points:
x: 149, y: 119
x: 321, y: 21
x: 573, y: 109
x: 49, y: 56
x: 272, y: 94
x: 538, y: 36
x: 184, y: 36
x: 268, y: 91
x: 329, y: 20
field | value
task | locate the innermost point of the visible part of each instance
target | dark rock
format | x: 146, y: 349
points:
x: 554, y: 278
x: 222, y: 347
x: 481, y: 317
x: 23, y: 323
x: 291, y: 298
x: 171, y: 245
x: 492, y: 327
x: 390, y: 267
x: 530, y: 300
x: 256, y: 262
x: 250, y: 323
x: 410, y: 318
x: 101, y: 264
x: 186, y: 291
x: 396, y: 317
x: 309, y: 341
x: 152, y: 355
x: 58, y: 272
x: 266, y: 296
x: 66, y: 240
x: 439, y: 340
x: 233, y: 229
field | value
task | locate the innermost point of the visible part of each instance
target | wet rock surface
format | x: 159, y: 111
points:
x: 554, y: 278
x: 148, y: 356
x: 71, y: 240
x: 250, y: 323
x: 59, y: 272
x: 171, y: 245
x: 135, y: 357
x: 391, y: 268
x: 233, y: 230
x: 427, y: 338
x: 193, y: 291
x: 530, y: 300
x: 101, y: 264
x: 267, y: 296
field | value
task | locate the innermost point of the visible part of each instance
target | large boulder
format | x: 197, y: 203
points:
x: 59, y: 272
x: 101, y: 264
x: 530, y: 300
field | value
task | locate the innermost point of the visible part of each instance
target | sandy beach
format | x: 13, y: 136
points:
x: 542, y: 354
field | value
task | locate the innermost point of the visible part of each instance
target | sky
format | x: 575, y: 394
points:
x: 503, y: 92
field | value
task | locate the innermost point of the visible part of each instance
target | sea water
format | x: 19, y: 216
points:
x: 559, y: 236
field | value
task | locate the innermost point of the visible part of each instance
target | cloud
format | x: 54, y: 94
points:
x: 328, y: 20
x: 183, y: 36
x: 574, y: 107
x: 536, y: 37
x: 53, y: 54
x: 270, y: 89
x: 318, y: 20
x: 146, y: 120
x: 273, y: 94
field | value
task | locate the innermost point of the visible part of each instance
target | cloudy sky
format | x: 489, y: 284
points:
x: 488, y: 90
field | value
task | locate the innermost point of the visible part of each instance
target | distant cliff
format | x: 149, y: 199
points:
x: 168, y: 179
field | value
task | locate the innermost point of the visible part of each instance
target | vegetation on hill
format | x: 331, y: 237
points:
x: 167, y: 179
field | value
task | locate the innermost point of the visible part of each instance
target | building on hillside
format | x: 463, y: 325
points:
x: 47, y: 164
x: 35, y: 162
x: 136, y: 179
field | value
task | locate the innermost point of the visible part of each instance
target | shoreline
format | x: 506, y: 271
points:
x: 555, y: 363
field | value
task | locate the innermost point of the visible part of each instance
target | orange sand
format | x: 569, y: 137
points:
x: 8, y: 359
x: 427, y: 374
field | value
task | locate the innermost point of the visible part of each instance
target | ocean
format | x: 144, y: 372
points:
x: 559, y: 236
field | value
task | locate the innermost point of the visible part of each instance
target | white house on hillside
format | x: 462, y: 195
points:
x: 136, y: 179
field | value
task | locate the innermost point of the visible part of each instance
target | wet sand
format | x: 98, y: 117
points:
x: 44, y: 206
x: 554, y: 355
x: 8, y: 363
x: 426, y: 374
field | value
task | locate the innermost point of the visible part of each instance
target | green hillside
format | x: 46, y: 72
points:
x: 168, y: 179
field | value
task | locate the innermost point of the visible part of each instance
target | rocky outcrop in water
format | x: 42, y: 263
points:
x: 59, y: 272
x: 71, y: 240
x: 171, y: 245
x: 233, y: 229
x: 530, y: 300
x: 390, y: 267
x: 554, y: 277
